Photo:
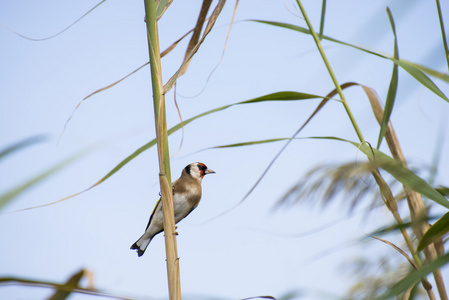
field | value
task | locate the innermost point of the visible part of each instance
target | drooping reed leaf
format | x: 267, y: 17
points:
x: 391, y: 95
x: 412, y: 69
x: 250, y: 143
x: 421, y: 77
x: 436, y: 231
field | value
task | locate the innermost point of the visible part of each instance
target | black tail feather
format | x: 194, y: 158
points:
x: 139, y: 251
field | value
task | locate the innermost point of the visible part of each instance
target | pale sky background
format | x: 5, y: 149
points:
x: 254, y: 249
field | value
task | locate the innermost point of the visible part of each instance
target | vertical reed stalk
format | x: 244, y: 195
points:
x: 174, y: 283
x: 331, y: 73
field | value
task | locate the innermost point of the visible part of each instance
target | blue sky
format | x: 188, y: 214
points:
x: 253, y: 249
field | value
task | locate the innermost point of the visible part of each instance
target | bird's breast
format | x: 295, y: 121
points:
x: 184, y: 202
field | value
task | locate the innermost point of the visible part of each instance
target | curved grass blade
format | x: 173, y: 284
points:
x: 319, y: 107
x: 421, y: 77
x: 96, y: 92
x: 391, y: 95
x: 412, y: 69
x: 56, y: 34
x: 280, y: 96
x: 414, y: 277
x: 409, y: 259
x: 250, y: 143
x: 19, y: 145
x: 426, y: 284
x: 436, y: 231
x: 325, y: 37
x: 13, y: 193
x: 165, y: 52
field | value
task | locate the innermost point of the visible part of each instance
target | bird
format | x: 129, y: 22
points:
x: 186, y: 197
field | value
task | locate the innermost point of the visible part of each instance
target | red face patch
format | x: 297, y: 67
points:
x: 202, y: 168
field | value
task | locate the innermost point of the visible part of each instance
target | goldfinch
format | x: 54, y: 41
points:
x: 186, y: 196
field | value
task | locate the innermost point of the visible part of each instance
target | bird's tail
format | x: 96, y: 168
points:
x: 141, y: 244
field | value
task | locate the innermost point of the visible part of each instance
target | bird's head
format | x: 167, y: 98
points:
x: 197, y: 170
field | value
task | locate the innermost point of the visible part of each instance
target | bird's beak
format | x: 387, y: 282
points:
x: 209, y: 171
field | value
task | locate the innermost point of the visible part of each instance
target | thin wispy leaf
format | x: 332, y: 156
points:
x: 164, y: 53
x: 96, y: 92
x: 402, y: 252
x: 56, y: 34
